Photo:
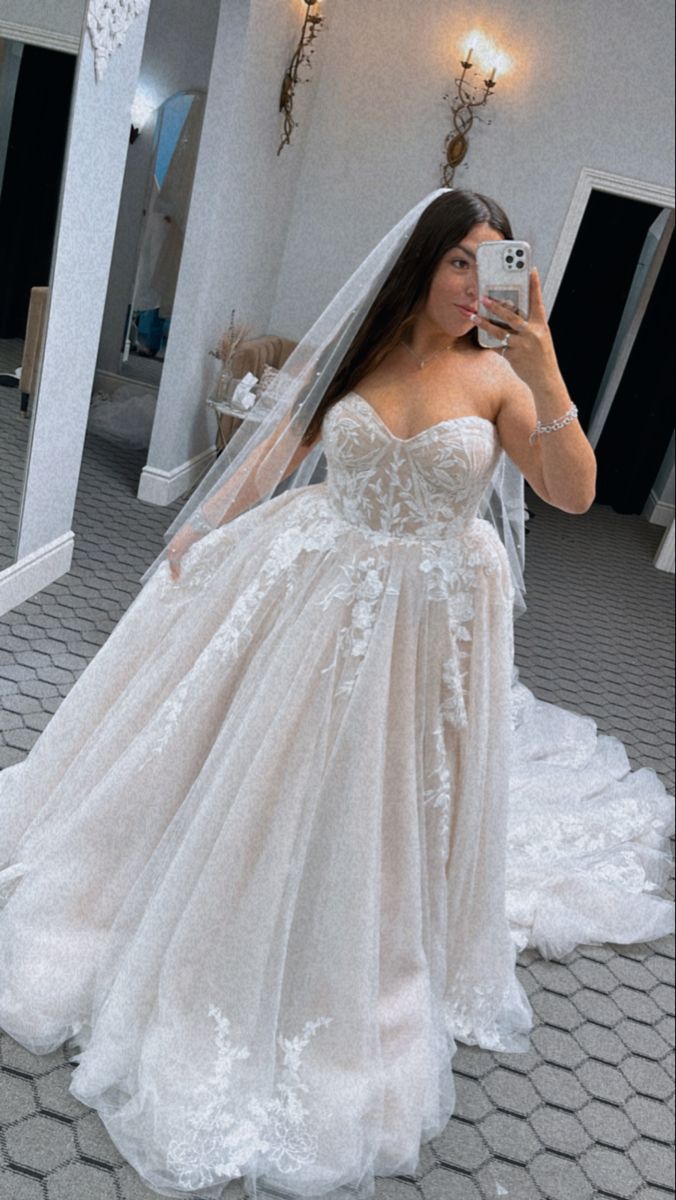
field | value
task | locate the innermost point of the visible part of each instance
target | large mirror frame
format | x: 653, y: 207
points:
x: 31, y: 192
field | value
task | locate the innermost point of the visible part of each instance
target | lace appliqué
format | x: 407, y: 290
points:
x: 452, y: 580
x: 489, y: 1015
x: 219, y: 1134
x: 437, y: 792
x: 237, y: 630
x: 108, y: 22
x: 424, y: 487
x: 364, y: 588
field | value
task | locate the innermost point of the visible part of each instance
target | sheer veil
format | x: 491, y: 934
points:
x: 259, y: 455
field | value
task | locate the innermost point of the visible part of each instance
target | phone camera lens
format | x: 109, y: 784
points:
x: 509, y: 258
x: 519, y: 253
x: 520, y: 265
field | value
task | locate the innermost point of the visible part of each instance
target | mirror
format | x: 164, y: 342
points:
x: 36, y: 87
x: 177, y: 129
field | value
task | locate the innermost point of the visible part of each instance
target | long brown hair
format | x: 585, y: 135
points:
x: 443, y: 224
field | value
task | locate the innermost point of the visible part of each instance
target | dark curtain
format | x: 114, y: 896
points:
x: 32, y: 182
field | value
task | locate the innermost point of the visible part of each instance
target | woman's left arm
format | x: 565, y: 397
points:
x: 559, y: 466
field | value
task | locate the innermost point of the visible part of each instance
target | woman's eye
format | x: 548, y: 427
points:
x: 459, y: 262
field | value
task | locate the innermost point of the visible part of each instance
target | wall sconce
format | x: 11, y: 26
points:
x: 303, y: 54
x: 467, y: 99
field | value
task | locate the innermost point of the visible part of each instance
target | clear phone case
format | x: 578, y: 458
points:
x: 504, y: 273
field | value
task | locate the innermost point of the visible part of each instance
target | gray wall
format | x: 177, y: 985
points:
x: 242, y: 201
x: 592, y: 85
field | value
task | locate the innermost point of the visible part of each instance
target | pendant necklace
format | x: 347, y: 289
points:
x: 422, y: 362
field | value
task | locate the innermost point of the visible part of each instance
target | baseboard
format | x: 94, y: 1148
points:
x: 658, y: 512
x: 35, y: 571
x: 665, y: 559
x: 163, y: 487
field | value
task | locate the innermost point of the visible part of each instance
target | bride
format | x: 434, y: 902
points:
x: 277, y: 850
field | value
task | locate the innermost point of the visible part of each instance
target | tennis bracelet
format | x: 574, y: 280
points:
x: 558, y: 424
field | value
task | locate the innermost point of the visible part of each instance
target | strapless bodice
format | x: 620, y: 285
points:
x: 426, y: 486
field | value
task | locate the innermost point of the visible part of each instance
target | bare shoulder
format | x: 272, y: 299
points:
x: 513, y: 392
x: 496, y: 379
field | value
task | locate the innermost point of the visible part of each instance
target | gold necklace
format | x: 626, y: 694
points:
x: 422, y: 362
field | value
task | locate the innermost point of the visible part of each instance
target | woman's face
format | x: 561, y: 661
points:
x: 453, y: 292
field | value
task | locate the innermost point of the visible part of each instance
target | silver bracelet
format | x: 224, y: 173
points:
x: 558, y: 424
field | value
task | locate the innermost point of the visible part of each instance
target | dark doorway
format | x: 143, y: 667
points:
x: 31, y: 187
x: 584, y: 322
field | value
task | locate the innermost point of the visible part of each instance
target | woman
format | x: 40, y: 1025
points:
x: 258, y: 862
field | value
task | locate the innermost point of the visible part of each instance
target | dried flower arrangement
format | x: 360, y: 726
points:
x: 229, y: 344
x: 225, y: 351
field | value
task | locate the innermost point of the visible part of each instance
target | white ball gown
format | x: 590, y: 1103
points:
x: 278, y: 848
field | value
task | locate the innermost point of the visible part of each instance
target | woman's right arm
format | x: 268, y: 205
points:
x: 248, y: 484
x: 241, y: 491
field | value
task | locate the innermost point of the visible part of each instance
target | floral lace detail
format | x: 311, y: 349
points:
x: 399, y: 488
x: 391, y: 492
x: 437, y: 792
x: 219, y: 1134
x: 364, y: 588
x: 237, y: 630
x: 424, y: 487
x: 494, y: 1014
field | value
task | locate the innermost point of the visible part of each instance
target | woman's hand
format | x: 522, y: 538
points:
x: 531, y: 350
x: 178, y: 546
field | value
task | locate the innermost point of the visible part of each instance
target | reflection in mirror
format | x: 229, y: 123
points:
x: 178, y: 125
x: 36, y: 85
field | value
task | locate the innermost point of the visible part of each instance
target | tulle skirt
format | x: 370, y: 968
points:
x: 277, y: 850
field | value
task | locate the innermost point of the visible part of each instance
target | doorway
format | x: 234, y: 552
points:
x: 597, y: 287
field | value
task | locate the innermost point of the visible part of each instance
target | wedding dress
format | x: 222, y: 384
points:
x: 276, y: 851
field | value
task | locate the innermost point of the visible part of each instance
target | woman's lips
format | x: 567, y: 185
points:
x: 466, y: 311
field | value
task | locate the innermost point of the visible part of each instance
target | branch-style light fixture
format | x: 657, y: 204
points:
x: 469, y: 97
x: 302, y: 56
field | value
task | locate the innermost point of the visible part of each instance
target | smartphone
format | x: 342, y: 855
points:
x: 504, y: 274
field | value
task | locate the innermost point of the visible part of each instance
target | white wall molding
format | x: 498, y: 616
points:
x: 35, y: 572
x: 665, y: 559
x: 33, y: 36
x: 589, y: 180
x: 163, y: 487
x: 659, y: 512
